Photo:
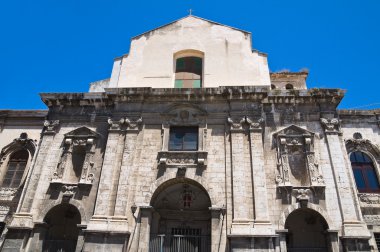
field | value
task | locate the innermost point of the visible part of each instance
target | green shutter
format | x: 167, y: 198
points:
x: 178, y: 84
x: 196, y: 83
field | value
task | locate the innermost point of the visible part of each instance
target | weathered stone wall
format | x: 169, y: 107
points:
x: 242, y: 136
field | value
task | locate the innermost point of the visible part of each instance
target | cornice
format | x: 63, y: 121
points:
x: 113, y: 96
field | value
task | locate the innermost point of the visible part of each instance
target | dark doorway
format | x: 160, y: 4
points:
x: 306, y: 231
x: 182, y: 220
x: 62, y: 232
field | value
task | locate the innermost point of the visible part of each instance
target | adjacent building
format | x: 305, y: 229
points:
x: 191, y: 145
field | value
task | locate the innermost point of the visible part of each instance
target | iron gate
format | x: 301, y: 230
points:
x: 180, y: 243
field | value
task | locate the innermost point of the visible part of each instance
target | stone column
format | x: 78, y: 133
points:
x: 242, y: 221
x: 23, y: 218
x: 352, y: 226
x: 144, y: 231
x: 262, y: 225
x: 111, y: 164
x: 217, y: 219
x: 126, y: 167
x: 333, y: 238
x: 281, y: 244
x: 41, y: 160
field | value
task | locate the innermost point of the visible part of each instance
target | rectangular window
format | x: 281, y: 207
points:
x: 377, y: 239
x: 183, y: 139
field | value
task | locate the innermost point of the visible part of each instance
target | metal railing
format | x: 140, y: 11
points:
x: 59, y: 246
x: 179, y: 243
x: 310, y: 249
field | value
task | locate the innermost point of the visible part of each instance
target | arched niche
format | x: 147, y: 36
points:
x: 181, y: 218
x: 62, y: 228
x: 307, y: 231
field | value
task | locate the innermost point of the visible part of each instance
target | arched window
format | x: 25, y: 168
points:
x: 289, y: 86
x: 364, y: 172
x: 188, y: 72
x: 15, y: 170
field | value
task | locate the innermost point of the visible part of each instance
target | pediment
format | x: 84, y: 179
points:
x: 294, y: 130
x: 190, y: 21
x: 184, y: 114
x: 82, y: 132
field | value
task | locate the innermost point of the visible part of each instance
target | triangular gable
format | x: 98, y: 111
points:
x: 293, y: 130
x: 189, y: 16
x: 82, y: 132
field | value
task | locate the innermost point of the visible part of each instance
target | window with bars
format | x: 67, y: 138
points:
x: 15, y: 170
x: 183, y: 139
x: 188, y: 72
x: 364, y: 172
x: 377, y: 239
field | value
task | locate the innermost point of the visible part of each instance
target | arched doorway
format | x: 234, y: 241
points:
x: 62, y: 231
x: 306, y: 231
x: 182, y: 219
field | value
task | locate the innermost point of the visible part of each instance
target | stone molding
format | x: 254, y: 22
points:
x: 294, y: 138
x: 7, y: 193
x: 331, y: 126
x: 372, y: 219
x: 363, y: 145
x: 238, y: 125
x: 184, y: 115
x: 124, y: 123
x: 369, y: 200
x: 85, y: 138
x: 51, y: 126
x: 186, y: 159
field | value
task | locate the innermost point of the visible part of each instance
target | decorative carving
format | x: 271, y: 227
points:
x: 295, y: 153
x: 51, y: 126
x: 369, y: 199
x: 115, y: 125
x: 182, y: 158
x: 184, y: 114
x: 82, y: 138
x: 302, y: 194
x: 255, y: 124
x: 69, y: 190
x: 22, y: 142
x: 331, y: 125
x: 127, y: 122
x: 4, y: 210
x: 7, y: 193
x: 133, y: 124
x: 236, y: 124
x: 372, y: 219
x: 364, y: 145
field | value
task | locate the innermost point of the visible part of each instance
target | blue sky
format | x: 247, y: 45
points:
x: 63, y: 45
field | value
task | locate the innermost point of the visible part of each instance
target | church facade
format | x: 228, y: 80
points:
x: 192, y: 144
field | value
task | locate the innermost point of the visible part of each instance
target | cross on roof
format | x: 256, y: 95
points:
x: 190, y: 12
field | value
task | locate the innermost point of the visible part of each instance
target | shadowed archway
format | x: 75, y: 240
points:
x: 62, y: 230
x: 307, y: 231
x: 182, y: 219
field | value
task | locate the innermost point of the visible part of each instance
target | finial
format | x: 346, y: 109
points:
x: 190, y: 12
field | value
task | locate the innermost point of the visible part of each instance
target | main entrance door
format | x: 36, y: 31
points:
x: 306, y: 231
x: 181, y: 222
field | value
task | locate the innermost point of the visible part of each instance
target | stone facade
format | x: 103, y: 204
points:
x: 270, y: 171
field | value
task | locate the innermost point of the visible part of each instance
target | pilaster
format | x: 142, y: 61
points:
x: 352, y: 226
x: 23, y: 218
x: 110, y: 206
x: 262, y: 225
x: 242, y: 222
